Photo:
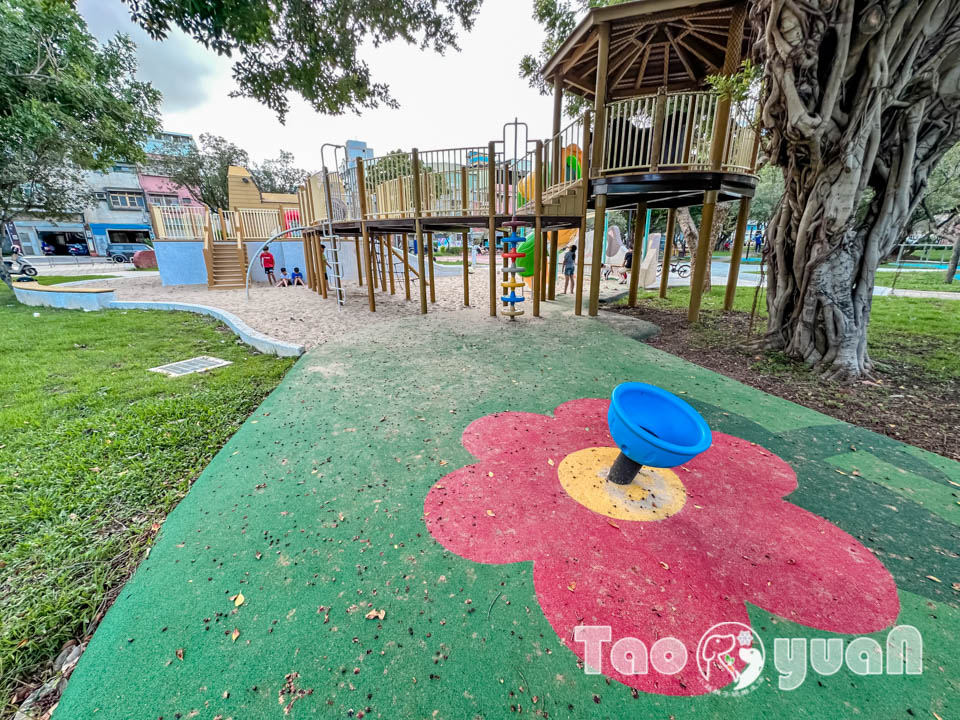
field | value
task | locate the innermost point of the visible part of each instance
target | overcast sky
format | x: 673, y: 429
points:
x: 453, y: 100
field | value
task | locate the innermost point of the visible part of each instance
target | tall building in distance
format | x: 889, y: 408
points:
x: 355, y: 149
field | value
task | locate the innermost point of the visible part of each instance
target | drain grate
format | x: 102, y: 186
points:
x: 193, y: 365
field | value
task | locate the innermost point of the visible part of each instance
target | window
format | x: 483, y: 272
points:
x: 167, y: 200
x: 120, y: 200
x: 186, y: 201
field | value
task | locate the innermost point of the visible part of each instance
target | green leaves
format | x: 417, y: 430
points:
x: 67, y: 104
x: 308, y: 47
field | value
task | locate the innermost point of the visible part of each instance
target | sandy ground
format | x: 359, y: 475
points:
x: 299, y: 315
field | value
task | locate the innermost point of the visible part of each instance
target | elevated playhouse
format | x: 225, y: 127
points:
x: 657, y: 137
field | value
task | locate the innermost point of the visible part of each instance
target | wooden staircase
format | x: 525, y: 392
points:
x: 557, y: 202
x: 226, y: 266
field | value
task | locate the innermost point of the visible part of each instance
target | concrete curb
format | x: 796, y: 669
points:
x: 263, y: 343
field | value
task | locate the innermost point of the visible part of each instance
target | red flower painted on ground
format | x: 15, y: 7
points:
x: 707, y: 538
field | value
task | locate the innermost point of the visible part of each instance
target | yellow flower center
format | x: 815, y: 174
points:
x: 654, y: 494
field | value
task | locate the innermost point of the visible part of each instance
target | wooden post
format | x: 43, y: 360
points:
x: 492, y: 227
x: 356, y: 240
x: 537, y: 228
x: 600, y: 99
x: 308, y: 259
x: 406, y: 264
x: 417, y: 210
x: 599, y: 213
x: 208, y: 232
x: 433, y: 289
x: 465, y: 238
x: 639, y: 238
x: 585, y: 199
x: 367, y: 260
x: 737, y: 250
x: 730, y: 63
x: 703, y: 255
x: 556, y: 175
x: 659, y: 116
x: 668, y: 250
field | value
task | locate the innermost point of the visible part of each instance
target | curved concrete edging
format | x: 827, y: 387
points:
x: 263, y: 343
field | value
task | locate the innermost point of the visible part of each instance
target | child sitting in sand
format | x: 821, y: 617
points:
x: 284, y: 280
x: 296, y: 277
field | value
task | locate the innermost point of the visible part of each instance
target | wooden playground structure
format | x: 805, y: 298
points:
x: 657, y: 136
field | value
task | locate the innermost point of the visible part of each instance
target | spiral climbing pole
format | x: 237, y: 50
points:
x: 512, y: 280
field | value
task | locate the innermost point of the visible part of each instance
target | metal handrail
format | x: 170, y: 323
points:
x: 246, y: 282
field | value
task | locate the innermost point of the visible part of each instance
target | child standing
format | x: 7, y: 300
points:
x: 569, y: 263
x: 267, y: 263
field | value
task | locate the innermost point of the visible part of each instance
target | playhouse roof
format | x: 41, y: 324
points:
x: 653, y: 43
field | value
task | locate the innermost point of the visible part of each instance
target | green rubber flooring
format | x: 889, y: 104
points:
x: 314, y: 513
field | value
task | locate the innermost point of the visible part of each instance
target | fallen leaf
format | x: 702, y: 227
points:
x: 931, y: 577
x: 550, y: 461
x: 664, y: 565
x: 258, y: 555
x: 572, y: 586
x: 491, y: 513
x: 238, y: 600
x: 611, y: 523
x: 234, y: 635
x: 443, y: 462
x: 179, y: 653
x: 378, y: 614
x: 489, y: 474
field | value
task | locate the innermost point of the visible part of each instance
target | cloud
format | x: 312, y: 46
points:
x: 178, y: 67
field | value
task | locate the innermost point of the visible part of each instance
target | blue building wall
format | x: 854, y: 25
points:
x: 180, y: 263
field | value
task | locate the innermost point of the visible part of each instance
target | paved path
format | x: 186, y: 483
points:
x: 933, y: 294
x: 375, y: 542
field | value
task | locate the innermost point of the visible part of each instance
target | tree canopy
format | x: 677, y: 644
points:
x: 279, y: 174
x: 203, y: 170
x: 67, y: 104
x: 308, y: 47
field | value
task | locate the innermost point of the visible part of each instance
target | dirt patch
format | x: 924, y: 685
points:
x: 901, y: 401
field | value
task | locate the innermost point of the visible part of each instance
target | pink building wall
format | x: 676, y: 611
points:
x: 163, y: 185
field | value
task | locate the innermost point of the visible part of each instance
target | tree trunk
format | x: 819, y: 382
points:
x: 859, y: 98
x: 952, y: 266
x: 5, y: 273
x: 691, y: 235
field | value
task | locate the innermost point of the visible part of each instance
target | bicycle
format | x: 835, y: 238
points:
x: 681, y: 269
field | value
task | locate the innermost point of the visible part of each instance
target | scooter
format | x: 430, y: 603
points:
x: 23, y: 266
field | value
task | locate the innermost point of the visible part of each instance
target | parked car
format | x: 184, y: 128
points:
x: 78, y: 249
x: 123, y: 252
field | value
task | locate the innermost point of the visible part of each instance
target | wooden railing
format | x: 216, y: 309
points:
x: 662, y: 132
x: 233, y: 226
x: 667, y: 132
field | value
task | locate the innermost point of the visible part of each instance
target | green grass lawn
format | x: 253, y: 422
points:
x: 57, y: 279
x: 918, y: 281
x: 94, y: 452
x: 921, y: 332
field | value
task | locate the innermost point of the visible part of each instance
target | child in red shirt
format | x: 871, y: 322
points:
x: 267, y: 262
